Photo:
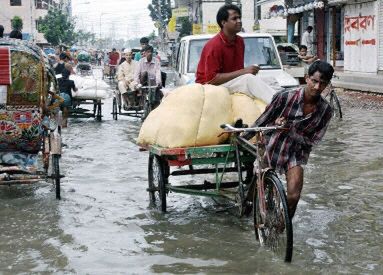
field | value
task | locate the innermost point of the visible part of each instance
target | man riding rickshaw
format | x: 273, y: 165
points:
x: 126, y: 93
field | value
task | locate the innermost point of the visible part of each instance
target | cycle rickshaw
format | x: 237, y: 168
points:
x: 144, y: 102
x: 30, y: 132
x: 84, y: 66
x: 91, y: 91
x: 256, y: 188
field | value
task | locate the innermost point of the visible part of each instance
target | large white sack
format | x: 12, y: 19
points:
x: 90, y: 94
x: 89, y: 87
x: 189, y: 116
x: 246, y: 108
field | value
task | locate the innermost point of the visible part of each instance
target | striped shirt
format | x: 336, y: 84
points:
x: 286, y: 149
x: 153, y: 68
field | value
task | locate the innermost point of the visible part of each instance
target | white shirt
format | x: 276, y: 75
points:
x: 126, y: 71
x: 153, y: 68
x: 307, y: 40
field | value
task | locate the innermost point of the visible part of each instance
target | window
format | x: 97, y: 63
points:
x: 195, y: 50
x: 37, y: 22
x: 41, y: 4
x: 261, y: 51
x: 257, y: 12
x: 15, y: 2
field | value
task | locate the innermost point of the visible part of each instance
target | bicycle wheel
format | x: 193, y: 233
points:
x: 99, y: 111
x: 114, y: 110
x: 272, y: 223
x: 335, y: 104
x: 156, y: 176
x: 147, y: 110
x: 56, y: 175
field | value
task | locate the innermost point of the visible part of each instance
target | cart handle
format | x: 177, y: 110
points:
x: 230, y: 129
x: 148, y: 87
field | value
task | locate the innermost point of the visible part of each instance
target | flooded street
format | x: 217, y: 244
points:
x: 103, y: 224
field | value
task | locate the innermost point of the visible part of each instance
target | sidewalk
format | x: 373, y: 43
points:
x: 358, y: 81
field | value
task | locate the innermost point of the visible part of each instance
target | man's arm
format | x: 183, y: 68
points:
x: 137, y: 72
x: 158, y: 73
x: 271, y: 113
x: 120, y: 73
x: 221, y: 78
x: 316, y: 136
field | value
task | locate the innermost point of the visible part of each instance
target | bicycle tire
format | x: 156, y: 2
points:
x: 99, y: 111
x: 269, y: 230
x: 335, y: 104
x: 56, y: 175
x: 147, y: 110
x: 114, y: 109
x: 156, y: 181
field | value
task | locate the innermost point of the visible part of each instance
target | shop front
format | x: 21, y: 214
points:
x: 361, y: 41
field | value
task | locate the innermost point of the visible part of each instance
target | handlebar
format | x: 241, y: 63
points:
x: 148, y: 87
x: 230, y: 129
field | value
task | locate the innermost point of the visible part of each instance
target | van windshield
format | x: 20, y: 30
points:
x: 258, y: 50
x: 261, y: 51
x: 195, y: 50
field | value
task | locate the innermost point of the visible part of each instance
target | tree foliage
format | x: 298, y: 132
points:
x: 160, y: 11
x: 186, y: 26
x: 152, y: 35
x: 17, y: 23
x: 84, y: 37
x: 58, y: 28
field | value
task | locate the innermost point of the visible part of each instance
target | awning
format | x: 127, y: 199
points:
x: 5, y: 66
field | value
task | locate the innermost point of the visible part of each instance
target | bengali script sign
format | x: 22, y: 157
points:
x: 360, y: 37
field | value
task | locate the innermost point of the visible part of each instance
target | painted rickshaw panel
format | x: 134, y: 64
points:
x: 20, y: 115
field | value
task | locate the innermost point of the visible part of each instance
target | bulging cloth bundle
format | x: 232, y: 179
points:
x: 191, y: 116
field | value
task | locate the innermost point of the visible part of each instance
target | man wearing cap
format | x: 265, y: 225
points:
x: 126, y: 83
x: 148, y: 73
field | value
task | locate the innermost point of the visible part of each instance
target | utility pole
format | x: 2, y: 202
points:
x: 31, y: 14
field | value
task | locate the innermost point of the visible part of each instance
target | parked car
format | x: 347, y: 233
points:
x: 259, y: 49
x: 291, y: 62
x: 289, y: 54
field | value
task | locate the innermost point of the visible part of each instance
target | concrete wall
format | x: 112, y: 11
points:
x: 274, y: 25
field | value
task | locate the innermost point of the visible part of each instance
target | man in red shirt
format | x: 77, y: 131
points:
x: 222, y: 58
x: 114, y: 56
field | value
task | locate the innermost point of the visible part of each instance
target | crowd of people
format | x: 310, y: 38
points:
x: 135, y: 70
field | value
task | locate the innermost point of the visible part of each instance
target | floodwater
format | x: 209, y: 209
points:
x: 103, y: 224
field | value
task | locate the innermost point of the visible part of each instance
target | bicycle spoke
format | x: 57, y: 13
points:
x: 274, y: 226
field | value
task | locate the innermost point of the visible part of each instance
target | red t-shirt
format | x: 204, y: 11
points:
x: 220, y: 56
x: 113, y: 56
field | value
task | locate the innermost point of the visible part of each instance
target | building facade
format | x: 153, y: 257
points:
x: 348, y: 34
x: 29, y: 11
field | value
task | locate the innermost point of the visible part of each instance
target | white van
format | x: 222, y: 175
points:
x: 259, y: 49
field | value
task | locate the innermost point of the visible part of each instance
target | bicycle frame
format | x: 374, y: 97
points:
x: 269, y: 201
x: 253, y: 149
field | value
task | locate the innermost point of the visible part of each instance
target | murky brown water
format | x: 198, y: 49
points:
x: 103, y: 224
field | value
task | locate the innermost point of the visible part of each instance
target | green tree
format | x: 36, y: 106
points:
x: 58, y: 28
x: 85, y: 38
x: 152, y: 35
x: 17, y: 23
x: 186, y: 26
x: 160, y: 11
